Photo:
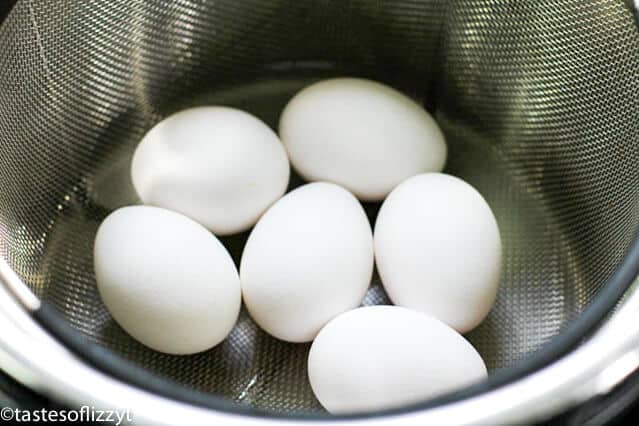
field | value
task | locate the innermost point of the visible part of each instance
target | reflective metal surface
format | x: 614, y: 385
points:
x: 28, y: 354
x: 539, y: 102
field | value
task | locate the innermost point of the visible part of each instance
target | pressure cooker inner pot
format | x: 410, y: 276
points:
x: 539, y: 102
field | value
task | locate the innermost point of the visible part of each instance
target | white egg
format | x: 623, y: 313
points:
x: 360, y: 134
x: 381, y: 357
x: 438, y: 249
x: 220, y: 166
x: 166, y: 280
x: 309, y: 258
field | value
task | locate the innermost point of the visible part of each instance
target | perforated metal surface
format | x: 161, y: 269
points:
x: 539, y: 101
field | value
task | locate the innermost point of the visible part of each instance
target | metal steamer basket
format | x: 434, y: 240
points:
x: 539, y: 101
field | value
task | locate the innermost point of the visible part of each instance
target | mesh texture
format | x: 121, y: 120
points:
x: 539, y: 102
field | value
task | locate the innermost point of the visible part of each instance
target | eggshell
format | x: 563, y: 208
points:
x: 381, y: 357
x: 309, y: 258
x: 360, y: 134
x: 220, y: 166
x: 166, y: 279
x: 438, y: 249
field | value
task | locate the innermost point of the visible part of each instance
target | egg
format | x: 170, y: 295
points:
x: 308, y: 259
x: 438, y: 249
x: 166, y: 280
x: 360, y: 134
x: 381, y: 357
x: 220, y: 166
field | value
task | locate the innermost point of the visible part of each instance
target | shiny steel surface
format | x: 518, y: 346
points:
x: 539, y: 102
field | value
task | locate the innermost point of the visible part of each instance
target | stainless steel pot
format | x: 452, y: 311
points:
x: 540, y: 105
